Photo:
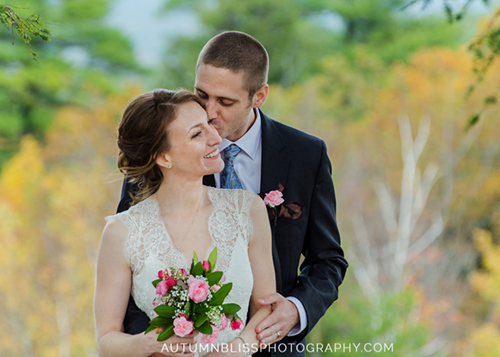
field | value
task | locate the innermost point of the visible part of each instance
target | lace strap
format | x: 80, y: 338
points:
x: 245, y: 221
x: 247, y: 202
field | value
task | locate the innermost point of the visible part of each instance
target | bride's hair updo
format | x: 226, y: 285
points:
x: 142, y: 137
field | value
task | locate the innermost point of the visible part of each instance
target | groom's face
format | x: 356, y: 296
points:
x: 226, y: 101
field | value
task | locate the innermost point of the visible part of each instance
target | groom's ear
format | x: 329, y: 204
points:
x: 163, y: 160
x: 260, y: 96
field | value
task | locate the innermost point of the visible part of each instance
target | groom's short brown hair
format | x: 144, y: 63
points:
x: 238, y: 52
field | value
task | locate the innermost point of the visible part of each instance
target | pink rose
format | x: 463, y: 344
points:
x: 162, y: 287
x: 237, y: 324
x: 223, y: 279
x: 182, y: 326
x: 160, y: 274
x: 206, y: 339
x: 198, y: 290
x: 206, y: 265
x: 184, y: 272
x: 171, y: 282
x: 224, y: 322
x: 215, y: 288
x: 273, y: 198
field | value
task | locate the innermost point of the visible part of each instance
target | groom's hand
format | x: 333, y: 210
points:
x: 278, y: 324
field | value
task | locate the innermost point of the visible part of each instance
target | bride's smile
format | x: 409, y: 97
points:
x: 213, y: 155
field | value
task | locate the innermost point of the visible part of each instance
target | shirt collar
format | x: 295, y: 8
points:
x: 249, y: 142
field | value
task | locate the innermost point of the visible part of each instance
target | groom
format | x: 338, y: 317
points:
x: 260, y: 154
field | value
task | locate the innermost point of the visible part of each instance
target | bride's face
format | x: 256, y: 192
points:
x: 193, y: 143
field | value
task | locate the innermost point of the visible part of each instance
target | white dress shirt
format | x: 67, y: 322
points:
x: 248, y: 167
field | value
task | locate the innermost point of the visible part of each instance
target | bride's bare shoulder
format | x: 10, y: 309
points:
x: 115, y: 230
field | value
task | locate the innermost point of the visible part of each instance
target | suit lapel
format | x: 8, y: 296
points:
x: 274, y: 163
x: 273, y: 172
x: 209, y: 180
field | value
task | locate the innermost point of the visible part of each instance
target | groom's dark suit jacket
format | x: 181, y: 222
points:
x: 300, y: 163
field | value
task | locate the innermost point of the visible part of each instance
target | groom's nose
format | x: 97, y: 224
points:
x: 211, y: 108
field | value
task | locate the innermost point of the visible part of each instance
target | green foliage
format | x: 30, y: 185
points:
x: 166, y: 333
x: 32, y: 92
x: 221, y: 294
x: 230, y: 308
x: 353, y: 319
x: 485, y: 48
x: 212, y: 259
x: 165, y: 311
x: 214, y: 278
x: 25, y: 27
x: 451, y: 14
x: 297, y: 34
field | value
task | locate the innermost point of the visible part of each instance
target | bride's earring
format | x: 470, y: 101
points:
x: 169, y: 166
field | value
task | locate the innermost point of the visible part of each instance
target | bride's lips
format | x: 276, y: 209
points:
x: 213, y: 155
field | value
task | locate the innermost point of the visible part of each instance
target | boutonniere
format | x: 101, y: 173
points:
x: 275, y: 207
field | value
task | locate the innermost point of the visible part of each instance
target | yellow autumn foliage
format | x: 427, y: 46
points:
x: 487, y: 282
x: 54, y: 199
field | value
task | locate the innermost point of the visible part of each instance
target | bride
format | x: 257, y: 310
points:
x: 167, y: 146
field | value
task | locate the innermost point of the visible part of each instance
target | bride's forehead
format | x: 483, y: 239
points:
x: 186, y: 119
x: 189, y: 110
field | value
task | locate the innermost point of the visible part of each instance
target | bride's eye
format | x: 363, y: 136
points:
x: 195, y: 135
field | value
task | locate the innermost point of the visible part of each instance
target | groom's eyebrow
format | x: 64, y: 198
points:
x: 223, y: 98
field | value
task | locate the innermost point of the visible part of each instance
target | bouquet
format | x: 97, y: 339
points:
x: 194, y: 300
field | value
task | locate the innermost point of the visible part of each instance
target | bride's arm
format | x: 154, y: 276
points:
x: 114, y: 280
x: 261, y: 259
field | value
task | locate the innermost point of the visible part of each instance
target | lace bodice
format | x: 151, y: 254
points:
x: 148, y: 248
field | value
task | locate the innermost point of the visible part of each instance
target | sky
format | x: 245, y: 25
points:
x: 149, y: 28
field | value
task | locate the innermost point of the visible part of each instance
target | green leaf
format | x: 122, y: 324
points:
x: 219, y: 296
x: 205, y: 328
x: 187, y: 307
x: 212, y: 259
x: 166, y: 333
x: 199, y: 309
x: 155, y: 282
x: 230, y: 308
x: 160, y: 321
x: 195, y: 257
x: 200, y: 321
x: 214, y: 278
x: 197, y: 270
x: 149, y: 329
x: 165, y: 311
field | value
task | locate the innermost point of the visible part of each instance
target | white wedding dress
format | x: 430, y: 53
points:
x: 148, y: 249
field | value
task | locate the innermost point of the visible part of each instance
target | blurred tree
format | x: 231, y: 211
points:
x: 412, y: 187
x: 54, y: 198
x: 351, y: 321
x: 24, y: 26
x: 485, y: 47
x: 485, y: 340
x: 298, y: 34
x: 85, y: 59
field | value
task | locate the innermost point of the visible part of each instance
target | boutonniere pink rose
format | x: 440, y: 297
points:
x: 275, y: 208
